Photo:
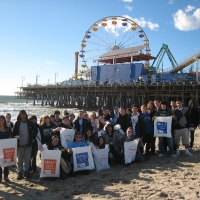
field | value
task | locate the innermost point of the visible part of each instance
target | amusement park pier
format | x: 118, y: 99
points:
x: 120, y: 72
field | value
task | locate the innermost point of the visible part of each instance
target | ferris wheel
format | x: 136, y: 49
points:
x: 111, y: 33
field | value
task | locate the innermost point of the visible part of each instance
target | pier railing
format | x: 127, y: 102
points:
x: 147, y: 79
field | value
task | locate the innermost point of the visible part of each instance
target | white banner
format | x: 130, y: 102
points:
x: 39, y: 140
x: 66, y: 137
x: 50, y: 163
x: 101, y: 159
x: 8, y: 152
x: 162, y: 127
x: 82, y: 158
x: 130, y: 149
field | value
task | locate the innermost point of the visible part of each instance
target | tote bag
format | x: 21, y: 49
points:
x: 130, y: 149
x: 8, y: 152
x: 82, y: 158
x: 50, y: 163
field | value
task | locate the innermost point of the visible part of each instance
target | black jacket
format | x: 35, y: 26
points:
x: 139, y: 127
x: 32, y: 129
x: 193, y: 115
x: 85, y: 125
x: 123, y: 121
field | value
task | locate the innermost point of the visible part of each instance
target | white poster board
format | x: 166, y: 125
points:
x: 39, y: 140
x: 66, y: 137
x: 82, y: 158
x: 101, y: 159
x: 8, y: 152
x: 162, y: 127
x: 130, y: 149
x: 50, y: 163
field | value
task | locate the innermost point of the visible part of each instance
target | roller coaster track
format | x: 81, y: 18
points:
x: 186, y: 63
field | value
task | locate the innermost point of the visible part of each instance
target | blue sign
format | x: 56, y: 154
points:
x: 82, y: 160
x: 162, y: 127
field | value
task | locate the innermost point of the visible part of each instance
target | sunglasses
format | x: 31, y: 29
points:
x: 78, y: 137
x: 129, y: 131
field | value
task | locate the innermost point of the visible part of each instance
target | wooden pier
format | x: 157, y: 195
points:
x: 95, y: 96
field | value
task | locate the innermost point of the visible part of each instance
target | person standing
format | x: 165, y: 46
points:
x: 138, y: 125
x: 123, y: 119
x: 57, y: 119
x: 173, y: 105
x: 165, y: 112
x: 33, y: 166
x: 193, y: 116
x: 82, y: 124
x: 181, y: 126
x: 8, y: 121
x: 5, y: 133
x: 149, y: 138
x: 26, y: 132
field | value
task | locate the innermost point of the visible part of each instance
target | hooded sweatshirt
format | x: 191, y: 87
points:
x: 21, y: 128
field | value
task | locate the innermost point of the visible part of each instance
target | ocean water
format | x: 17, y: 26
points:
x: 12, y: 105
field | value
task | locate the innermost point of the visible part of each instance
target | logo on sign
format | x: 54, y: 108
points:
x: 162, y: 127
x: 82, y: 160
x: 49, y: 166
x: 9, y: 155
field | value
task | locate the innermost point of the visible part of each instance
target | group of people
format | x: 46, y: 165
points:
x: 104, y: 128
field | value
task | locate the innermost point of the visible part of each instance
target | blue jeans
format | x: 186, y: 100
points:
x: 170, y: 144
x: 23, y: 155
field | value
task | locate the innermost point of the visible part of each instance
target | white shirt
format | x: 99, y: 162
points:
x: 134, y: 119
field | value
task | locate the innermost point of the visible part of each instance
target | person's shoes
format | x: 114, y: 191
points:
x: 187, y: 153
x: 19, y: 177
x: 6, y: 179
x: 174, y: 156
x: 27, y: 175
x: 128, y: 164
x: 160, y: 155
x: 177, y: 152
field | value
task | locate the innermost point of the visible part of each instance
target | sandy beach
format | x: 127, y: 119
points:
x: 157, y: 178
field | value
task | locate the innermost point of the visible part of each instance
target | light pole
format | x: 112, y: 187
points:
x: 23, y: 80
x: 197, y: 70
x: 56, y: 74
x: 48, y: 81
x: 37, y: 76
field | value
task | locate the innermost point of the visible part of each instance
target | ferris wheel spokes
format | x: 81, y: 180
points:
x: 98, y: 38
x: 96, y: 50
x: 123, y: 38
x: 106, y: 37
x: 128, y: 40
x: 133, y: 44
x: 97, y: 44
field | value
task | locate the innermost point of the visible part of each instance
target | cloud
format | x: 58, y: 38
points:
x: 171, y: 1
x: 128, y: 8
x: 51, y: 62
x: 189, y: 8
x: 152, y: 26
x: 128, y: 1
x: 144, y: 23
x: 185, y: 21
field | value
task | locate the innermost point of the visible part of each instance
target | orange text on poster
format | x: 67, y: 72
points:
x: 50, y: 164
x: 9, y: 154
